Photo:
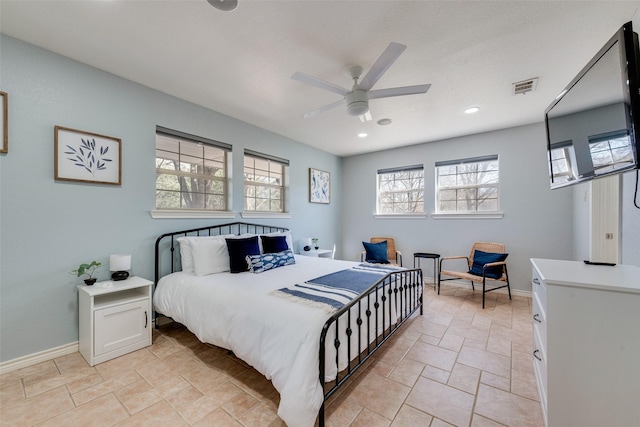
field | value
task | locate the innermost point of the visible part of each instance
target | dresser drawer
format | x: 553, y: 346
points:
x: 540, y: 369
x: 540, y: 321
x: 539, y: 289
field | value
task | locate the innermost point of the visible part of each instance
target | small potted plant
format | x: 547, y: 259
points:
x: 315, y: 243
x: 89, y: 270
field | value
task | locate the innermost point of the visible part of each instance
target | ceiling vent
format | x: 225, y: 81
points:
x: 525, y: 86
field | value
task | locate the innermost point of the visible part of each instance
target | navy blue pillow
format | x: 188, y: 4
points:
x: 481, y: 258
x: 238, y: 251
x: 274, y: 244
x: 376, y: 252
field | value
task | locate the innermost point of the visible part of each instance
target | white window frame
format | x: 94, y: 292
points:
x: 408, y: 192
x: 192, y: 212
x: 439, y: 168
x: 604, y: 142
x: 561, y: 154
x: 283, y: 186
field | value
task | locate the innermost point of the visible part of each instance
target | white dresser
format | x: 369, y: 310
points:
x: 587, y: 343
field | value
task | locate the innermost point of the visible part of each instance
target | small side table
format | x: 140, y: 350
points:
x: 318, y: 253
x: 435, y: 258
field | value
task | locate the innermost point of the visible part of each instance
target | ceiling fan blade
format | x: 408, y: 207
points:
x: 314, y: 81
x: 399, y: 91
x: 382, y: 64
x: 322, y: 109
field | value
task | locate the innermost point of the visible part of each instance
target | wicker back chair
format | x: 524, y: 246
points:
x: 490, y: 247
x: 394, y: 255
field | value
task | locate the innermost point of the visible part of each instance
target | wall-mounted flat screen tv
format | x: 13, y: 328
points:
x: 592, y: 126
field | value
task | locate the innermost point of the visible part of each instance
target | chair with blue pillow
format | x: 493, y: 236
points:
x: 485, y: 262
x: 381, y: 250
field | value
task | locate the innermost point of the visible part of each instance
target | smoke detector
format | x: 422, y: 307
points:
x: 525, y: 86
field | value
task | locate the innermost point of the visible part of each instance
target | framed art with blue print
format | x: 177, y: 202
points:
x: 319, y: 186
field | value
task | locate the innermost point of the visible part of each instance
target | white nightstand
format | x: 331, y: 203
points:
x: 318, y: 253
x: 115, y: 318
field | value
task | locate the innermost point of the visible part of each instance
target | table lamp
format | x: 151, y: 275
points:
x: 119, y: 264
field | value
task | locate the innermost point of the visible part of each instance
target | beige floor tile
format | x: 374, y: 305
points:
x: 441, y: 401
x: 464, y: 378
x: 217, y: 418
x: 479, y: 421
x: 411, y: 417
x: 200, y: 407
x: 485, y: 361
x: 160, y: 414
x: 451, y: 342
x: 439, y: 423
x: 260, y: 416
x: 184, y: 397
x: 143, y: 400
x: 37, y: 409
x: 104, y: 411
x: 367, y: 393
x: 433, y: 355
x: 495, y: 381
x: 507, y: 408
x: 115, y: 384
x: 407, y: 372
x: 436, y: 374
x: 11, y: 391
x: 367, y: 418
x: 342, y: 414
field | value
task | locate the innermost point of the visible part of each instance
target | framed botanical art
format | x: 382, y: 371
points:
x: 87, y: 157
x: 4, y: 122
x: 319, y: 186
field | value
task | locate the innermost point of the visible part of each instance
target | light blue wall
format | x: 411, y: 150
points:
x: 537, y: 221
x: 48, y: 227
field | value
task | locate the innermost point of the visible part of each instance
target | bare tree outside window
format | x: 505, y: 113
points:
x: 190, y: 174
x: 264, y: 184
x: 467, y: 186
x: 401, y: 191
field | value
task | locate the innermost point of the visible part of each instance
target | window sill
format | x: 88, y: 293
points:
x: 471, y: 215
x: 192, y: 213
x: 400, y: 216
x: 277, y: 215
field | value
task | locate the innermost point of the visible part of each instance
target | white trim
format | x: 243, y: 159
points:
x: 35, y: 358
x: 400, y: 216
x: 466, y: 284
x: 278, y: 215
x: 470, y: 215
x: 191, y: 213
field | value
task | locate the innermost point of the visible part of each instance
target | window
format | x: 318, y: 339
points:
x: 467, y: 185
x: 264, y: 182
x: 401, y: 190
x: 191, y: 172
x: 610, y: 152
x: 561, y: 164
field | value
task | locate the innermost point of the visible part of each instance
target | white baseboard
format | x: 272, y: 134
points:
x: 466, y: 284
x: 32, y: 359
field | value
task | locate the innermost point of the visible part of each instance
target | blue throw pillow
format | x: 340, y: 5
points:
x: 481, y: 258
x: 376, y: 252
x: 264, y: 262
x: 274, y: 244
x: 238, y: 251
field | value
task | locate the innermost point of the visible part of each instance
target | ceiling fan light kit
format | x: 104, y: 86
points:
x: 357, y: 99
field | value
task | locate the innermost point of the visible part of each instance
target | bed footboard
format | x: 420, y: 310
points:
x: 357, y: 330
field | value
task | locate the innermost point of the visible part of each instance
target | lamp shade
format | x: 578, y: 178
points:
x: 119, y: 262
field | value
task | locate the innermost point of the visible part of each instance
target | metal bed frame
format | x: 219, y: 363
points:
x: 399, y: 293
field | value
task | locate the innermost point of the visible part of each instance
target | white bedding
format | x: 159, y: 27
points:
x: 277, y: 337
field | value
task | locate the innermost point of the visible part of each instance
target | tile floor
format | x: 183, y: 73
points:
x: 455, y: 365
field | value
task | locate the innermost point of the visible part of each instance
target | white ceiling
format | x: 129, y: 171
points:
x: 240, y: 63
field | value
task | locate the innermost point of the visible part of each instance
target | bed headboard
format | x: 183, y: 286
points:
x: 166, y: 258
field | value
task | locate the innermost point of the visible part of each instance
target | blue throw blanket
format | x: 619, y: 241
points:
x: 334, y: 290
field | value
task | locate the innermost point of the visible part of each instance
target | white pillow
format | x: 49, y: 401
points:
x: 186, y: 250
x: 210, y: 256
x: 287, y: 235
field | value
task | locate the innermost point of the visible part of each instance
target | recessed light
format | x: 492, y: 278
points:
x: 384, y: 122
x: 471, y: 110
x: 362, y: 135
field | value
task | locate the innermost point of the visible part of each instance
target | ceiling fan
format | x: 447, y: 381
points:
x: 357, y: 99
